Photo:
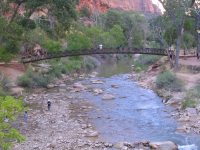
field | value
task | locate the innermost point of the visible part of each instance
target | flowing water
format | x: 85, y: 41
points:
x: 136, y: 113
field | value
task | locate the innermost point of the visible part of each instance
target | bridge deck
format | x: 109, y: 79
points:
x: 150, y: 51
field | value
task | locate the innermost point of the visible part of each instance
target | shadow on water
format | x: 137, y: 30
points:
x: 136, y: 113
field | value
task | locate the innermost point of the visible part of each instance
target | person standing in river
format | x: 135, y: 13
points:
x: 49, y: 105
x: 25, y: 117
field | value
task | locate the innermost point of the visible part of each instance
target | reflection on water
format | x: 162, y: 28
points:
x: 112, y: 68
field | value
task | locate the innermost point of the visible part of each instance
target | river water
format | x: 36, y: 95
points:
x: 136, y: 114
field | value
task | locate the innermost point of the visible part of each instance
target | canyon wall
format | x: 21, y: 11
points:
x: 128, y: 5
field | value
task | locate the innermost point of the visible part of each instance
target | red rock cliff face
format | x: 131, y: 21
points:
x: 128, y: 5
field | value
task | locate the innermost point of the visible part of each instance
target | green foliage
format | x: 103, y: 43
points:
x: 5, y: 55
x: 3, y: 85
x: 188, y: 40
x: 95, y: 34
x: 134, y: 26
x: 52, y: 46
x: 189, y: 103
x: 117, y: 33
x: 144, y: 61
x: 73, y: 64
x: 33, y: 79
x: 9, y: 38
x: 170, y: 35
x: 113, y: 17
x: 27, y: 23
x: 189, y: 25
x: 15, y: 30
x: 85, y: 12
x: 78, y: 40
x: 168, y: 81
x: 10, y: 108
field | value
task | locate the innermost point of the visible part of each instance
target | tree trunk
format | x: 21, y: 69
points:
x: 178, y: 45
x: 198, y: 34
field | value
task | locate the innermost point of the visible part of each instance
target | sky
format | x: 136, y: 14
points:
x: 158, y: 4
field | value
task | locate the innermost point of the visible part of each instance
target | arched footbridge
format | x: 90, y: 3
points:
x: 44, y: 56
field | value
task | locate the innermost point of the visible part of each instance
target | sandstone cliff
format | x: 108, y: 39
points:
x: 128, y: 5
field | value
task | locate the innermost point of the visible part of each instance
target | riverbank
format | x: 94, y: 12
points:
x: 190, y: 75
x: 67, y: 124
x: 70, y: 113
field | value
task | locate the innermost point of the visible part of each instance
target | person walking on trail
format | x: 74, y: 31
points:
x: 25, y: 116
x: 49, y: 104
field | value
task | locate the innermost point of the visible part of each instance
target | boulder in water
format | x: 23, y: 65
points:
x: 108, y: 97
x: 167, y: 145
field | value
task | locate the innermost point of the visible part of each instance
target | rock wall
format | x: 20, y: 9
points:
x: 128, y: 5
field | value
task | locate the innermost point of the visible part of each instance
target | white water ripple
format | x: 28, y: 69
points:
x: 188, y: 147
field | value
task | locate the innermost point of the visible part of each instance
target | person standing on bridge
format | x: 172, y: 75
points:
x: 100, y: 46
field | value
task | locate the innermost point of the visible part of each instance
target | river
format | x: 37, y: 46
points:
x: 135, y: 114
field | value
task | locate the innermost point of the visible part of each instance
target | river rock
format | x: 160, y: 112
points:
x: 93, y: 74
x: 49, y: 86
x: 62, y: 85
x: 98, y: 91
x: 62, y: 90
x: 114, y: 86
x: 119, y: 145
x: 191, y: 111
x: 108, y: 97
x: 79, y: 86
x: 16, y: 90
x: 97, y: 82
x: 184, y: 119
x: 92, y: 134
x: 167, y: 145
x: 182, y: 129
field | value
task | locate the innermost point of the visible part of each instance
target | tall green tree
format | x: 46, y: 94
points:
x: 16, y: 21
x: 10, y: 108
x: 175, y: 12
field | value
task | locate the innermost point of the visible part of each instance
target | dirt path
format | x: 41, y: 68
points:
x: 189, y: 79
x: 11, y: 73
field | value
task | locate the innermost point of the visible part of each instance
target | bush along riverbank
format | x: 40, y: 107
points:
x: 43, y: 75
x: 176, y: 89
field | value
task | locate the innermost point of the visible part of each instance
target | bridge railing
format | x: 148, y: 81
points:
x: 121, y: 50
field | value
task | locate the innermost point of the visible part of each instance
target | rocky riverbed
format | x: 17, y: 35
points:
x: 67, y: 124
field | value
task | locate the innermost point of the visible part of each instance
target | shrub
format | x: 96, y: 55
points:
x: 25, y: 81
x: 168, y: 81
x: 40, y: 81
x: 4, y: 90
x: 33, y: 79
x: 189, y: 103
x: 52, y: 46
x: 192, y: 97
x: 85, y: 12
x: 144, y: 61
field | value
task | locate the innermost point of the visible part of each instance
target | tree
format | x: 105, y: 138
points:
x: 10, y: 37
x: 175, y: 11
x: 94, y: 33
x: 78, y: 40
x: 134, y: 26
x: 195, y: 5
x: 117, y: 33
x: 10, y: 108
x: 17, y: 19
